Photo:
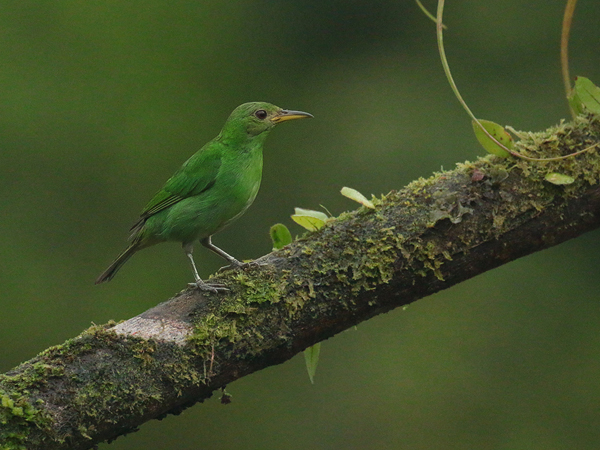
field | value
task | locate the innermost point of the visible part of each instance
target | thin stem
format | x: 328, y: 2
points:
x: 564, y: 47
x: 440, y: 39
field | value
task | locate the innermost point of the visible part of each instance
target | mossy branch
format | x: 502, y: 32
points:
x: 429, y: 236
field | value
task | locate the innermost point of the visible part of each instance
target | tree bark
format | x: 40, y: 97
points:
x: 432, y: 234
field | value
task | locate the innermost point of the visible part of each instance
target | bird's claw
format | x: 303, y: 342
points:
x: 210, y: 287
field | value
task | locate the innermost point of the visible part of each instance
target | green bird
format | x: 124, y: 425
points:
x: 212, y: 189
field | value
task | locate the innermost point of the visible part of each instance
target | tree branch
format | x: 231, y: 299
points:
x: 427, y: 237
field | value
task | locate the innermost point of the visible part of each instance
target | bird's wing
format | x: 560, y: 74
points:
x: 197, y: 175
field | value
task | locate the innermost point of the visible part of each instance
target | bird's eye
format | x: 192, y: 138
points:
x: 261, y: 114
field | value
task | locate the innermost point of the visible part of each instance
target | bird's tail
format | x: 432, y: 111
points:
x: 109, y: 273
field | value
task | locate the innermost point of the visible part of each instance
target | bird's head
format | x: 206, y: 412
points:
x: 255, y: 118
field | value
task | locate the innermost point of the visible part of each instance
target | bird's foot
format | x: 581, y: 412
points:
x: 210, y: 287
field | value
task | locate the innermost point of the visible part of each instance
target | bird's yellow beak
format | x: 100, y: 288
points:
x: 288, y: 114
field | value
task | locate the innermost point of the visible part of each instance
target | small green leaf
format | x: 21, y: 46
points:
x: 311, y: 358
x: 575, y: 102
x: 585, y: 95
x: 309, y: 219
x: 353, y: 194
x: 499, y: 133
x: 559, y: 178
x: 280, y: 235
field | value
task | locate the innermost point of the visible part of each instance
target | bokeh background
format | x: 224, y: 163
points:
x: 101, y: 101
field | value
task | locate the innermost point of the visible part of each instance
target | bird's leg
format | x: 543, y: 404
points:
x: 232, y: 261
x: 212, y: 287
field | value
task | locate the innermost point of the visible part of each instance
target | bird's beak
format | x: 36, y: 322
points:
x: 287, y: 114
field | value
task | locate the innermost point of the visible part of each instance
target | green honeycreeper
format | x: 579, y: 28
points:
x: 212, y: 189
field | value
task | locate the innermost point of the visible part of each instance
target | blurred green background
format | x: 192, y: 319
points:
x: 100, y: 102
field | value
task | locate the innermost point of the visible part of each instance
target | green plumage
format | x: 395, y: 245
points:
x: 212, y: 188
